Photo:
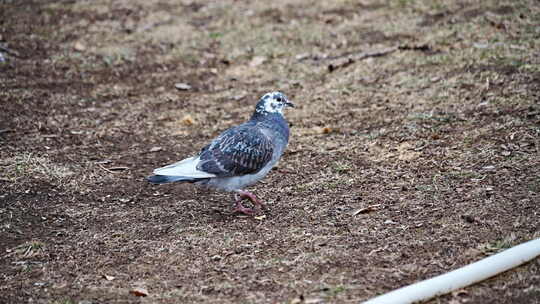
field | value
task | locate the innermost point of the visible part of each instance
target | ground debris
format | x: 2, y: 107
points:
x: 257, y: 60
x: 347, y: 59
x: 155, y: 149
x: 139, y: 292
x: 108, y: 277
x: 302, y: 56
x: 468, y: 218
x: 181, y: 86
x: 367, y: 209
x: 323, y: 130
x: 79, y: 46
x: 117, y: 168
x: 113, y: 169
x: 421, y: 130
x: 187, y: 120
x: 416, y: 47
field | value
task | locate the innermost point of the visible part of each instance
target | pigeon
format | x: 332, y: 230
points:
x: 238, y: 157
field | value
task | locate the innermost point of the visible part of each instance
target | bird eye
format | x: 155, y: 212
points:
x: 279, y: 99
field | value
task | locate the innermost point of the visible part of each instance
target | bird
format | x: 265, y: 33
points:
x: 238, y: 157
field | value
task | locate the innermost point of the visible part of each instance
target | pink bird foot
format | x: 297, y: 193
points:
x: 241, y: 195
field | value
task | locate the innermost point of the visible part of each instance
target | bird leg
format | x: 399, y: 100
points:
x: 240, y: 208
x: 240, y: 195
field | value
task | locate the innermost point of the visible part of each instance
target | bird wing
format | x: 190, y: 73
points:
x: 240, y: 150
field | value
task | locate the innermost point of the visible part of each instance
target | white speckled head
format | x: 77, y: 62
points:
x: 273, y: 102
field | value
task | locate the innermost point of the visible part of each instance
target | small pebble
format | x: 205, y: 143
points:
x: 182, y: 86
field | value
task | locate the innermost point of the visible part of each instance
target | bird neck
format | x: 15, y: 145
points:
x: 273, y: 121
x: 263, y: 116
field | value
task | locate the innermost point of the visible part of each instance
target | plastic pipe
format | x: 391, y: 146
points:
x: 462, y: 277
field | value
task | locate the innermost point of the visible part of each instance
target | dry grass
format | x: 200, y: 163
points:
x: 436, y: 141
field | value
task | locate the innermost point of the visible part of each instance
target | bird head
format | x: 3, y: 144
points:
x: 273, y: 102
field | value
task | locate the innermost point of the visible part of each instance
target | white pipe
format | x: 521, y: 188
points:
x: 462, y: 277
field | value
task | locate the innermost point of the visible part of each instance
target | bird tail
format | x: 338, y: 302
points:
x: 164, y: 179
x: 182, y: 171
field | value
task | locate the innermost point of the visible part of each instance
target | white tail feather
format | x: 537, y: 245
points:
x: 186, y: 167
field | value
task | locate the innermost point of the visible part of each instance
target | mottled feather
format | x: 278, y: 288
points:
x: 240, y: 150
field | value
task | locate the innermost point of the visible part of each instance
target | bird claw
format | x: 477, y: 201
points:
x: 249, y: 211
x: 244, y: 210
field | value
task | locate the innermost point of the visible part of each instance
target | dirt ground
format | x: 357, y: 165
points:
x: 415, y: 148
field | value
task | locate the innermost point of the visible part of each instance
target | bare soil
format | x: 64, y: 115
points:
x: 415, y: 148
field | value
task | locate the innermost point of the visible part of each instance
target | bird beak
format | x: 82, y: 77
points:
x: 289, y: 104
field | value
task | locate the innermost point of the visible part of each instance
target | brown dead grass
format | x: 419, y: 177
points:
x: 436, y: 142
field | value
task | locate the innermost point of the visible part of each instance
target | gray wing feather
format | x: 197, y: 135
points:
x: 237, y: 151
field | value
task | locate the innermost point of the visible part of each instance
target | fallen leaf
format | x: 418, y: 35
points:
x: 323, y: 130
x: 187, y: 120
x: 182, y: 86
x: 155, y: 149
x: 108, y: 277
x: 367, y: 209
x: 298, y: 300
x: 139, y: 292
x: 302, y: 56
x: 79, y: 46
x: 257, y: 60
x: 260, y: 217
